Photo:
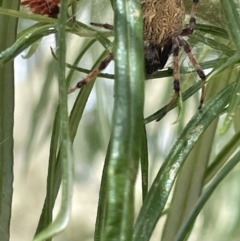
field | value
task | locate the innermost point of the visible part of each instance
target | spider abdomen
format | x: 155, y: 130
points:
x: 163, y: 19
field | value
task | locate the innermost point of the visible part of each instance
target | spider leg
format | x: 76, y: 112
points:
x: 93, y: 74
x: 103, y: 25
x: 192, y: 21
x: 197, y: 67
x: 166, y: 52
x: 176, y: 71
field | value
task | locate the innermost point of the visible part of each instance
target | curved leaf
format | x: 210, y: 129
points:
x: 162, y: 185
x: 61, y: 221
x: 183, y: 232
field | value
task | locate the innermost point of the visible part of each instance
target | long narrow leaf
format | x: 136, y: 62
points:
x: 144, y: 163
x: 162, y: 185
x: 124, y: 148
x: 8, y: 36
x: 189, y: 183
x: 231, y: 10
x: 63, y: 216
x: 183, y: 232
x: 222, y: 157
x: 53, y: 179
x: 24, y: 42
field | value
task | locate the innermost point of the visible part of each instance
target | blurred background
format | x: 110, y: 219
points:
x: 36, y: 101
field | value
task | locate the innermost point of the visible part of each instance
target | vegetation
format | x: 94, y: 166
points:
x: 184, y: 166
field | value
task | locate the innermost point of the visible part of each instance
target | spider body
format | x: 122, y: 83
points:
x: 163, y: 22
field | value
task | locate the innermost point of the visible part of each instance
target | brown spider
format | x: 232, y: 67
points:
x: 163, y: 31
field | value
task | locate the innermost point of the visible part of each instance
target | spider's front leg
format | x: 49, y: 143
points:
x: 175, y: 45
x: 187, y: 49
x: 100, y: 68
x: 197, y: 67
x: 93, y: 74
x: 192, y: 22
x: 176, y: 70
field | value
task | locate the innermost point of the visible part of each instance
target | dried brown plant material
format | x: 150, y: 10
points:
x: 43, y: 7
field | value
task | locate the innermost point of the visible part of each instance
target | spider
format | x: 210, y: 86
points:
x: 163, y: 33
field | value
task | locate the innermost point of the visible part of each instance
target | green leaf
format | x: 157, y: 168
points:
x: 61, y: 221
x: 213, y: 30
x: 162, y: 185
x: 32, y: 50
x: 38, y: 31
x: 144, y: 164
x: 189, y: 182
x: 183, y: 232
x: 25, y: 41
x: 234, y: 104
x: 8, y: 36
x: 222, y: 157
x: 125, y: 144
x: 54, y: 169
x: 231, y: 10
x: 53, y: 178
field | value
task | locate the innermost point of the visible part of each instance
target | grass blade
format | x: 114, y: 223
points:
x: 124, y: 148
x: 183, y: 232
x: 8, y: 36
x: 162, y: 185
x: 61, y: 221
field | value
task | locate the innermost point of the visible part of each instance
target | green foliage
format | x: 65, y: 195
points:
x: 203, y: 147
x: 8, y: 33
